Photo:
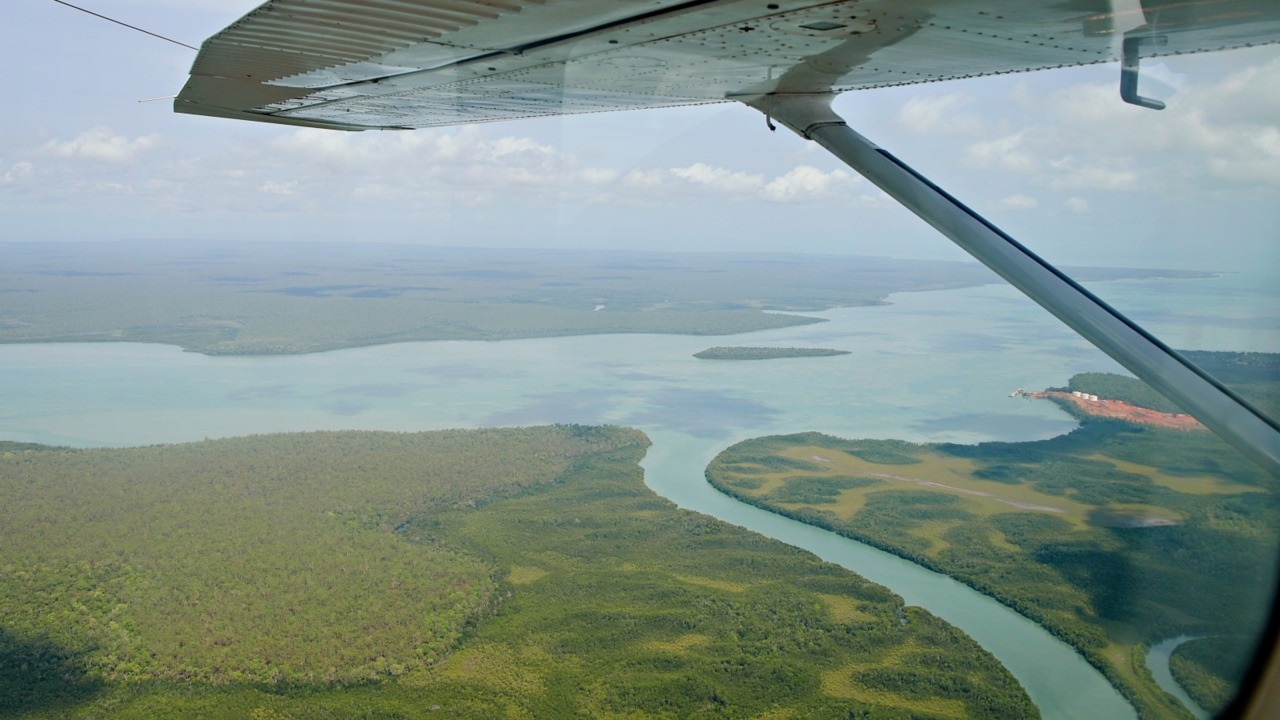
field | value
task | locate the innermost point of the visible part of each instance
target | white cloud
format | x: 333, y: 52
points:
x: 808, y: 183
x: 1249, y: 96
x: 16, y: 172
x: 448, y: 146
x: 1054, y: 148
x: 1007, y: 153
x: 316, y: 144
x: 877, y: 199
x: 1094, y: 109
x: 803, y: 183
x: 644, y: 179
x: 1238, y: 126
x: 1161, y: 73
x: 1260, y: 171
x: 113, y: 187
x: 1095, y: 177
x: 597, y: 176
x: 720, y: 179
x: 1018, y: 202
x: 939, y: 114
x: 374, y: 191
x: 101, y: 144
x: 472, y: 198
x: 278, y: 187
x: 312, y: 146
x: 463, y: 162
x: 1227, y: 130
x: 507, y: 146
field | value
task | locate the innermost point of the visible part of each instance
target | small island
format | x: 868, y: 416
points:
x: 764, y: 353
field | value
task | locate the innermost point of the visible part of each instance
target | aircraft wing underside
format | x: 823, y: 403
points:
x: 362, y: 64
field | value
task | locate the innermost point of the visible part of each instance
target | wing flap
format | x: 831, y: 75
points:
x: 407, y: 63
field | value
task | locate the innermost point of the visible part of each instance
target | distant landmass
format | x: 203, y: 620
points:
x: 288, y: 298
x: 764, y: 353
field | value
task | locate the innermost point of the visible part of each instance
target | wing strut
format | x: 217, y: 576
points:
x: 1215, y: 405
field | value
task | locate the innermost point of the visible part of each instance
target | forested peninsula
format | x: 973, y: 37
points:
x: 764, y: 353
x: 1113, y: 537
x: 463, y: 574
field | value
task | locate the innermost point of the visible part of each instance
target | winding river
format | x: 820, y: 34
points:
x: 932, y: 366
x: 1158, y: 661
x: 1058, y: 679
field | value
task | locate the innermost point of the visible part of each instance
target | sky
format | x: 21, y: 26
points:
x: 1054, y: 158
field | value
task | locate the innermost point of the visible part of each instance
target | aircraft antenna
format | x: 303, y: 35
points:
x: 131, y: 27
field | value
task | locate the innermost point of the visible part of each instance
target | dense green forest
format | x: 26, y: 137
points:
x: 1255, y: 376
x: 1113, y: 537
x: 764, y: 353
x: 1211, y: 668
x: 523, y: 573
x: 264, y: 298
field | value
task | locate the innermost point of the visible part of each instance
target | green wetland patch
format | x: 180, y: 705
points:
x: 524, y: 573
x: 1113, y: 537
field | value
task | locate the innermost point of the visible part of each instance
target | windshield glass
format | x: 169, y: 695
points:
x: 507, y: 418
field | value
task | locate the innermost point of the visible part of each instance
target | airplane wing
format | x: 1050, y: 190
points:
x: 364, y: 64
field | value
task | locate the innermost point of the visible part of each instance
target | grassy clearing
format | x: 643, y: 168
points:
x: 852, y: 681
x: 847, y: 684
x: 680, y: 644
x: 1185, y: 484
x: 844, y: 609
x: 525, y: 574
x: 934, y: 472
x: 725, y: 585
